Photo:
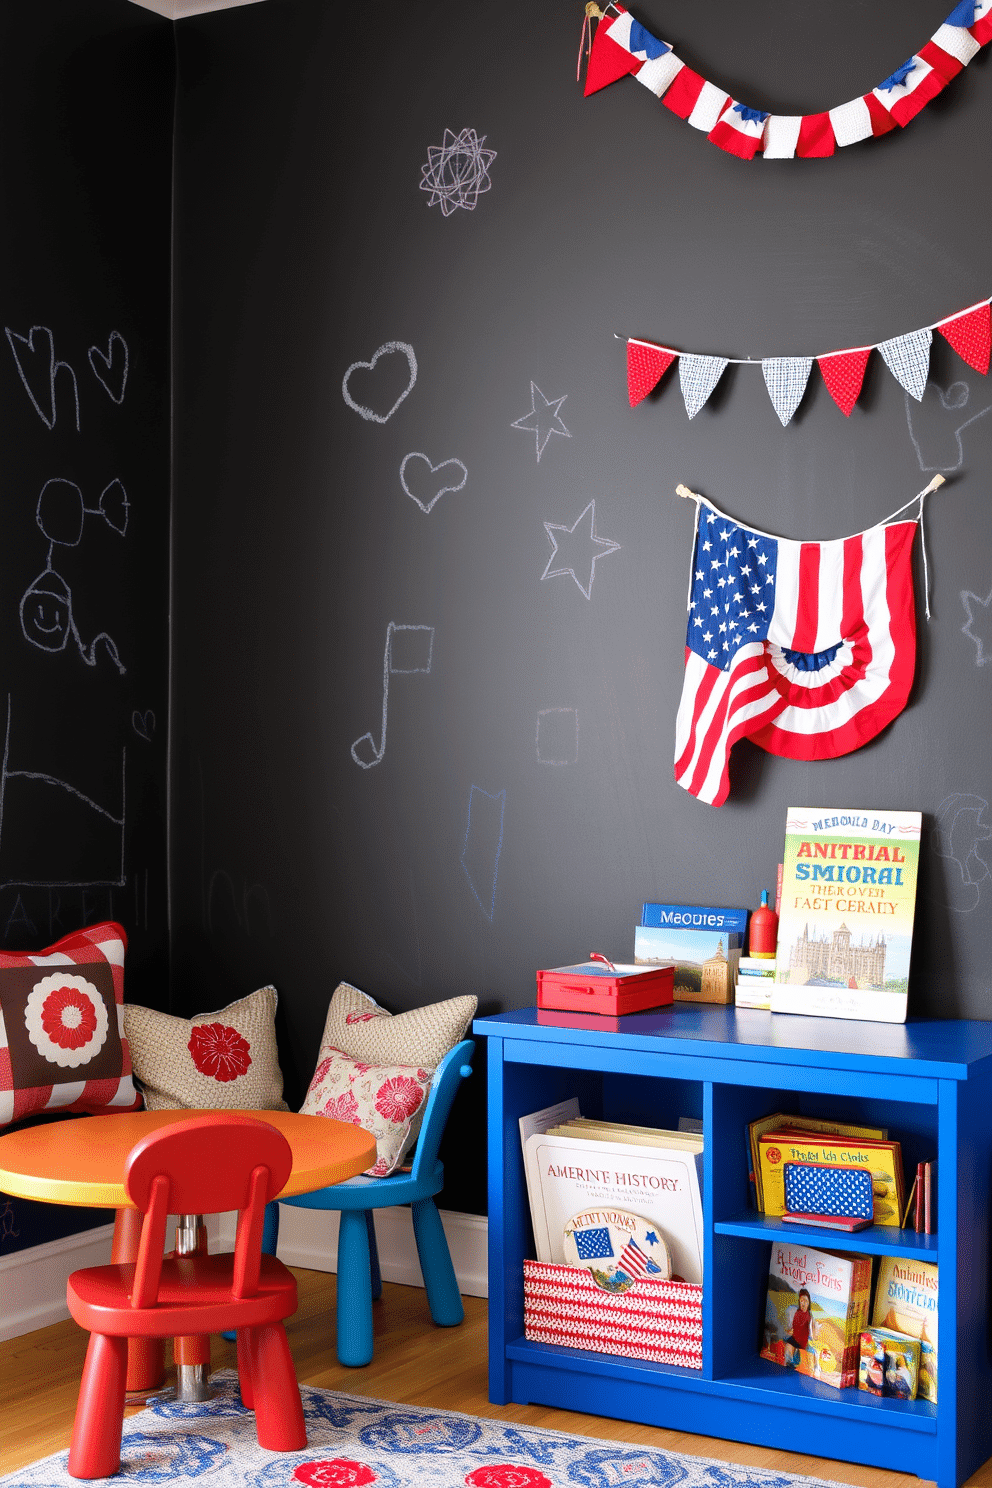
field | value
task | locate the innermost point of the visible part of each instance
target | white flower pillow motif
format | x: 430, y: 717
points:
x: 386, y: 1100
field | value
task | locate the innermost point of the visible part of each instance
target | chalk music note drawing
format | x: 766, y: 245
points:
x: 414, y: 644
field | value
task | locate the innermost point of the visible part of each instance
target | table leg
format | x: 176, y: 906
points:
x: 145, y: 1356
x: 192, y: 1353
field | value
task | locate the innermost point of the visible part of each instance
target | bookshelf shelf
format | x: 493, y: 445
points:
x: 929, y: 1082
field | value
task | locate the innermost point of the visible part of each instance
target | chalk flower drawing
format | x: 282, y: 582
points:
x: 978, y: 626
x: 457, y: 171
x: 544, y: 418
x: 582, y: 553
x: 66, y: 1020
x: 219, y: 1051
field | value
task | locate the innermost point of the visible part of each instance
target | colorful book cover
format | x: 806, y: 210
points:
x: 890, y: 1364
x: 882, y: 1160
x: 695, y: 917
x: 906, y: 1298
x: 778, y: 1121
x: 815, y: 1310
x: 705, y: 960
x: 846, y: 923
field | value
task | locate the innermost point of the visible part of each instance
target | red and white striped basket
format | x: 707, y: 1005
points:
x: 657, y: 1320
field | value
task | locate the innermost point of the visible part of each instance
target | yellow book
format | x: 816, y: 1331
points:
x: 757, y: 1129
x: 883, y: 1160
x: 906, y: 1302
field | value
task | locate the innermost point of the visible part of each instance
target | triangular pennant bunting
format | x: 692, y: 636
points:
x: 646, y: 366
x: 786, y: 379
x: 969, y: 335
x: 698, y: 376
x: 908, y: 359
x: 844, y: 373
x: 608, y: 62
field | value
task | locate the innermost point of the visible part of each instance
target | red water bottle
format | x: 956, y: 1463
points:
x: 764, y: 930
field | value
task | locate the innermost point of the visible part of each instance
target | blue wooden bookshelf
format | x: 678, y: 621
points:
x: 929, y: 1082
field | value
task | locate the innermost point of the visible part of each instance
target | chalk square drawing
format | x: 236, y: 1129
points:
x: 457, y: 171
x: 432, y: 482
x: 409, y: 649
x: 483, y: 845
x: 386, y: 383
x: 557, y: 736
x: 82, y: 845
x: 576, y: 551
x: 544, y: 419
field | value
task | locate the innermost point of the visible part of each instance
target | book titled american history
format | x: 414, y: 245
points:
x: 846, y: 921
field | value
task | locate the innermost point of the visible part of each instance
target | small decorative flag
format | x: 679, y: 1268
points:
x: 607, y: 62
x: 816, y: 137
x: 646, y: 366
x: 636, y: 1263
x: 909, y: 89
x: 981, y: 26
x: 698, y: 376
x: 594, y: 1245
x: 844, y: 374
x: 786, y: 379
x: 739, y: 130
x: 969, y: 335
x: 908, y: 359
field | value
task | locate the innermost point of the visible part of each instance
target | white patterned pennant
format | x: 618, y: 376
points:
x: 908, y: 359
x: 786, y: 379
x: 698, y: 376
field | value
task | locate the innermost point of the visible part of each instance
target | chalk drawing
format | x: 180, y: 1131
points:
x: 143, y: 724
x: 483, y: 845
x: 457, y: 171
x: 544, y: 418
x: 959, y: 831
x: 937, y: 423
x: 81, y: 841
x: 7, y: 1217
x: 432, y: 481
x: 557, y: 736
x: 581, y: 555
x: 978, y: 626
x: 110, y: 366
x: 38, y: 369
x: 390, y: 349
x: 409, y: 649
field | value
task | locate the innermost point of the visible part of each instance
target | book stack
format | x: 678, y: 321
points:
x: 815, y: 1311
x: 704, y: 942
x: 791, y: 1125
x: 921, y: 1206
x: 876, y: 1162
x: 906, y: 1296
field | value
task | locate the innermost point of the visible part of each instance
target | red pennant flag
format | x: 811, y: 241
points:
x: 608, y: 62
x: 970, y: 336
x: 646, y: 366
x: 816, y: 137
x: 844, y: 372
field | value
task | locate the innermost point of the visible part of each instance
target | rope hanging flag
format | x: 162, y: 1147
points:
x: 907, y: 358
x: 622, y: 47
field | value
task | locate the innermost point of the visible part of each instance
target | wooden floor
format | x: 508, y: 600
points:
x: 414, y: 1363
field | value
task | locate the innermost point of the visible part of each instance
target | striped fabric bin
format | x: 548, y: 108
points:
x: 657, y: 1320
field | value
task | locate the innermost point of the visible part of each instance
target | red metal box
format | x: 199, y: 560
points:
x: 594, y: 987
x: 659, y: 1320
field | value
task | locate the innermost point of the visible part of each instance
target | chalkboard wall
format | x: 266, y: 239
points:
x: 430, y: 613
x: 85, y: 148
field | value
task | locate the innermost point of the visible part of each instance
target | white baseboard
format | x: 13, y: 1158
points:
x: 32, y: 1281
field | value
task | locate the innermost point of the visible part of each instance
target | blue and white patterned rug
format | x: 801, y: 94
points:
x: 354, y: 1442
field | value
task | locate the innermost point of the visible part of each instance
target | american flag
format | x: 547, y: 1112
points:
x: 594, y: 1245
x: 807, y: 648
x: 636, y: 1263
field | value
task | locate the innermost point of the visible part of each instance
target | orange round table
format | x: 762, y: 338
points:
x: 82, y: 1162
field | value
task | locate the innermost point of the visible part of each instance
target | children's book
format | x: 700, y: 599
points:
x: 906, y: 1302
x: 540, y: 1121
x: 662, y: 1185
x: 846, y: 923
x: 705, y: 959
x: 779, y: 1121
x: 816, y: 1308
x: 890, y: 1363
x: 881, y: 1160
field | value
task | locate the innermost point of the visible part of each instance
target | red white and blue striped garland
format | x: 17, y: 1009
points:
x: 907, y: 358
x: 622, y: 46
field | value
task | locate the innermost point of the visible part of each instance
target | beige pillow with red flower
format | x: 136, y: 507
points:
x: 226, y: 1060
x: 386, y: 1100
x: 359, y: 1027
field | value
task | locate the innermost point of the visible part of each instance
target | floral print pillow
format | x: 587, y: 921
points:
x: 386, y: 1100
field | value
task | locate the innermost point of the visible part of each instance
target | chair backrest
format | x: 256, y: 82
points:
x: 455, y: 1067
x: 205, y: 1165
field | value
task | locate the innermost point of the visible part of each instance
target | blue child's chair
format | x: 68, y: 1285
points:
x: 358, y: 1257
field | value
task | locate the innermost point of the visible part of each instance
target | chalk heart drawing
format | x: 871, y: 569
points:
x: 143, y: 724
x: 389, y: 350
x: 110, y: 367
x: 430, y: 480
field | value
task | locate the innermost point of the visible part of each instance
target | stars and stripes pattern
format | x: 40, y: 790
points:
x: 623, y: 47
x: 594, y: 1244
x: 636, y: 1263
x: 817, y: 1188
x: 807, y: 648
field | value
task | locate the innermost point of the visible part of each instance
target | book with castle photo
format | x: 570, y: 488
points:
x: 846, y: 921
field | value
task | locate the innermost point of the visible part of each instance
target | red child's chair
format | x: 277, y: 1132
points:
x: 205, y: 1165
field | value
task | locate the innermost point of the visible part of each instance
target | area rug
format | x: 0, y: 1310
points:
x: 354, y: 1442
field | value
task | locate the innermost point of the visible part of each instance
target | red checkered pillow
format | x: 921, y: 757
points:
x: 62, y: 1043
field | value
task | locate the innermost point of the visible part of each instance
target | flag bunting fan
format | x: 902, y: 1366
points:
x: 907, y: 358
x: 806, y: 648
x: 622, y: 47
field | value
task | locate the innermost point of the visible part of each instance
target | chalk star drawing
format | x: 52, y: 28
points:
x: 457, y: 172
x: 544, y: 418
x: 956, y: 836
x: 978, y: 626
x: 575, y: 556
